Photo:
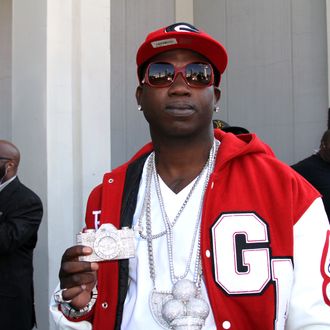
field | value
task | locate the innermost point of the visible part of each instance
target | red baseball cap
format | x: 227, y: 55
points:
x: 186, y: 36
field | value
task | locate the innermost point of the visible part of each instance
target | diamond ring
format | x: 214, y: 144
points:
x: 58, y: 297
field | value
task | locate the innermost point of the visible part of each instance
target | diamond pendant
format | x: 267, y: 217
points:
x: 182, y: 309
x: 156, y: 301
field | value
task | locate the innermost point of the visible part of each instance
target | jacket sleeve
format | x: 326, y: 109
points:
x: 62, y: 323
x: 309, y: 307
x: 21, y: 222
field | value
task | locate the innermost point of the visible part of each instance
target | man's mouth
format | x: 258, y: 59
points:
x: 180, y: 109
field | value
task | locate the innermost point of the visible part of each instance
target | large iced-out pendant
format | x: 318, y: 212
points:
x: 157, y: 300
x: 182, y: 309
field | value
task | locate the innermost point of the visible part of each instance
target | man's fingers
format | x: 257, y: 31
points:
x: 77, y: 279
x: 75, y: 275
x: 70, y: 294
x: 74, y: 252
x: 72, y: 267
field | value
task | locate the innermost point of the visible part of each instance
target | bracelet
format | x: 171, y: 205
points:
x: 73, y: 313
x: 58, y: 297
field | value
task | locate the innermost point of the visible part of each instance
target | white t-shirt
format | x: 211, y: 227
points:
x: 137, y: 313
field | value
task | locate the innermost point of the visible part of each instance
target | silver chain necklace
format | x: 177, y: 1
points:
x: 164, y: 304
x: 169, y: 229
x: 150, y: 170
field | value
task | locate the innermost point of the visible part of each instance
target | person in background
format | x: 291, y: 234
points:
x: 20, y: 216
x: 211, y: 230
x: 316, y: 170
x: 218, y: 123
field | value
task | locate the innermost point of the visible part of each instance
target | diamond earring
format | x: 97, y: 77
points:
x: 216, y: 109
x: 139, y: 107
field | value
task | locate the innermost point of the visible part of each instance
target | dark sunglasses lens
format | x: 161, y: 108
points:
x: 199, y: 74
x: 160, y: 74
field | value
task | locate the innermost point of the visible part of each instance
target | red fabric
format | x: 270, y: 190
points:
x: 325, y: 269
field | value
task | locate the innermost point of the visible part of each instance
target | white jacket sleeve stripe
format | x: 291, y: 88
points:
x: 306, y: 304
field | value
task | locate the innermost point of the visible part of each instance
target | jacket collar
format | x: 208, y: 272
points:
x: 9, y: 189
x: 6, y: 183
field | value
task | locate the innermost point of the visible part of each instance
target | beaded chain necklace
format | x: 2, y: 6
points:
x: 182, y: 307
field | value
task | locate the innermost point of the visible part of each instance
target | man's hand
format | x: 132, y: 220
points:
x: 77, y: 277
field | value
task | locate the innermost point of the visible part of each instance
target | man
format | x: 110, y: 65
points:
x: 20, y: 216
x: 226, y: 236
x: 218, y: 123
x: 316, y: 170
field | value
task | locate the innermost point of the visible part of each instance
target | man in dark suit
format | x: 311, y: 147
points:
x: 20, y: 216
x: 316, y: 170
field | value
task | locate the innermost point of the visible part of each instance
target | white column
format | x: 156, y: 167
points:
x: 78, y: 115
x: 60, y: 119
x: 95, y: 92
x: 29, y: 124
x: 5, y: 68
x: 63, y: 139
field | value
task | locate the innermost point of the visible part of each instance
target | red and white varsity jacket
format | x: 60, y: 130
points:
x: 265, y: 262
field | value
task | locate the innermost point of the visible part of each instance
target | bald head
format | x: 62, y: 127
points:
x: 9, y: 158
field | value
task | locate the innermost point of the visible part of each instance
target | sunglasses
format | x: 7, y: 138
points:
x: 163, y: 74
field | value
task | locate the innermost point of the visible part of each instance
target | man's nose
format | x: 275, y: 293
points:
x: 179, y: 85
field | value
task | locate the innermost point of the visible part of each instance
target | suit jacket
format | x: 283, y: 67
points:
x: 20, y: 216
x: 317, y: 171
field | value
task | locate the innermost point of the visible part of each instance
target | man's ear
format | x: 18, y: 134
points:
x: 11, y: 167
x: 138, y: 94
x: 217, y: 94
x: 11, y: 164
